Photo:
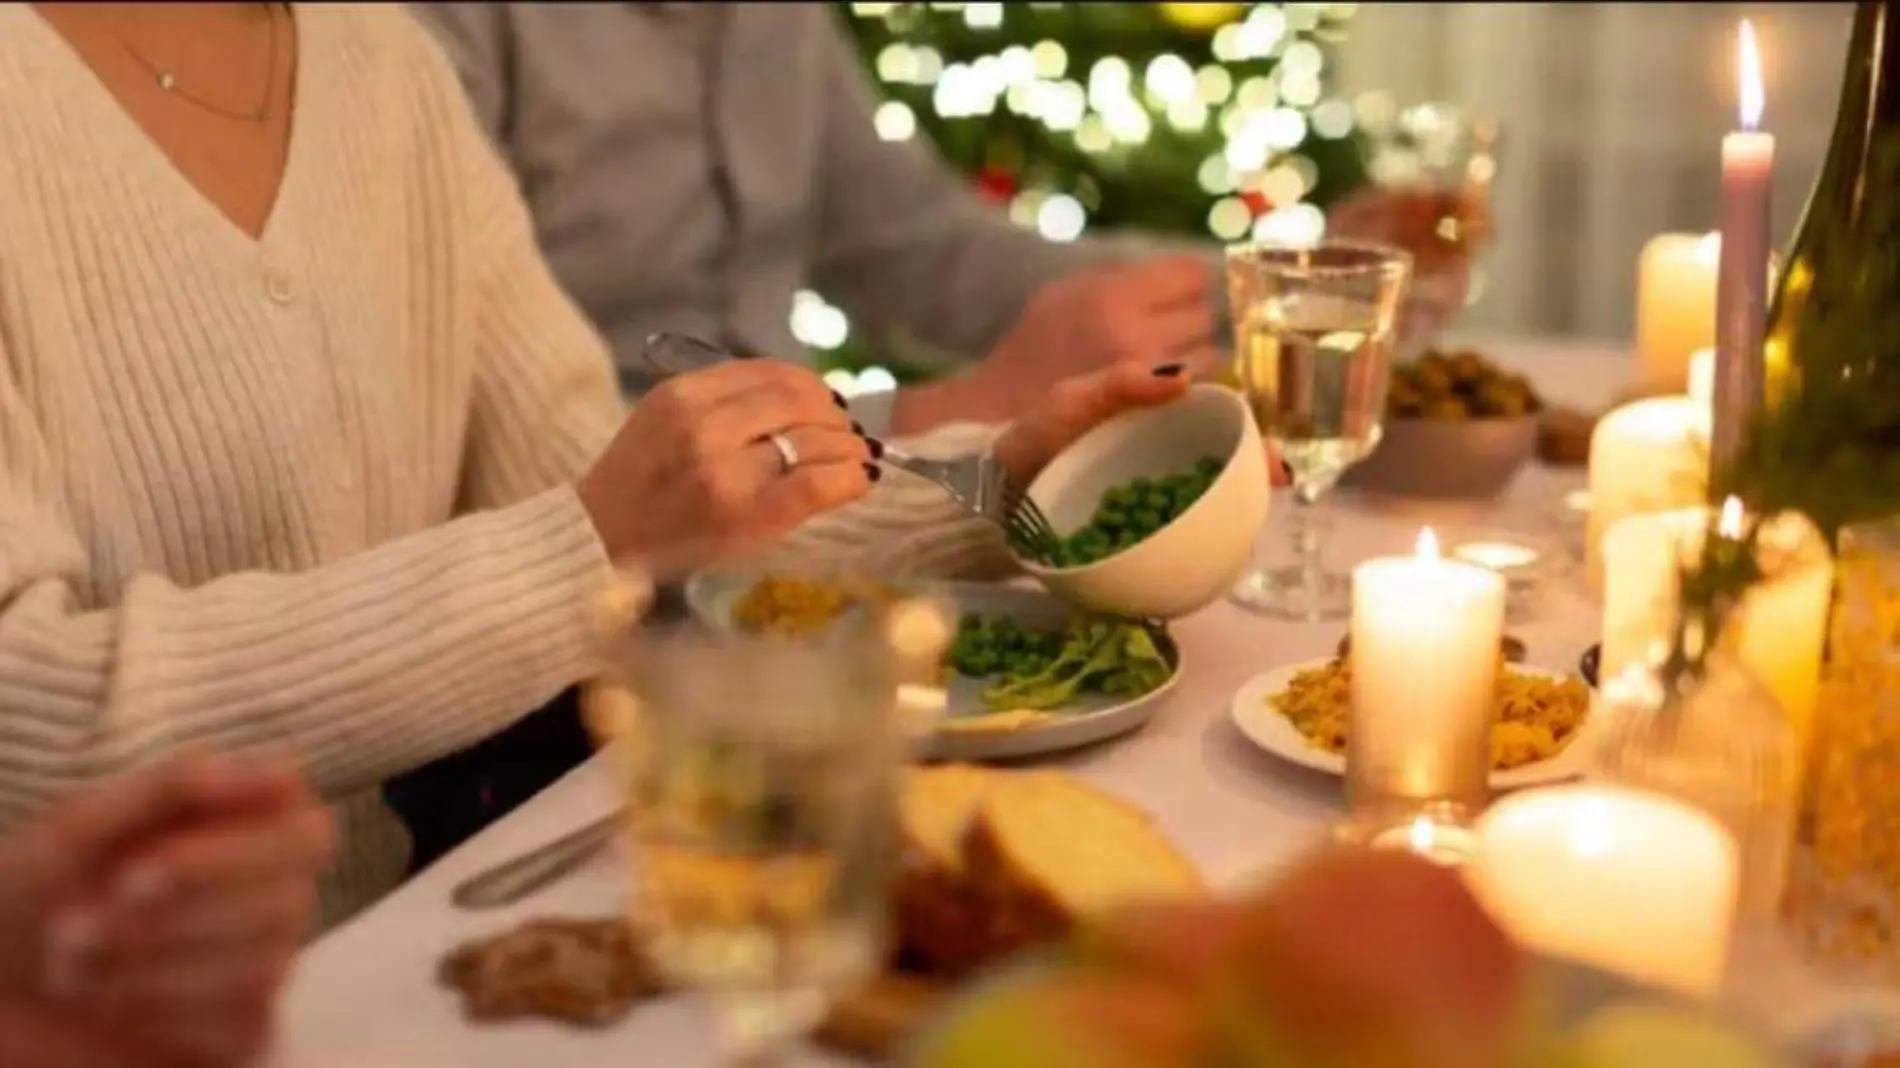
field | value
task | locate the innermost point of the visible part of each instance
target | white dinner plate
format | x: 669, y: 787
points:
x: 1263, y: 725
x: 969, y: 730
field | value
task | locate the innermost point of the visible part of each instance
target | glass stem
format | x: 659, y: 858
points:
x: 1308, y: 536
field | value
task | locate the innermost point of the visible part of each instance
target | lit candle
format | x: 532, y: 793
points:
x: 1648, y: 456
x: 1642, y: 556
x: 1777, y: 631
x: 1748, y: 163
x: 1780, y: 629
x: 1631, y: 882
x: 1702, y: 377
x: 1425, y: 637
x: 1675, y: 308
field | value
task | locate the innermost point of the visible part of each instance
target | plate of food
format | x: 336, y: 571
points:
x: 993, y: 863
x: 1299, y: 713
x: 1026, y: 675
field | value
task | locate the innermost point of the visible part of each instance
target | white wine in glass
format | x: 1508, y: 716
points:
x: 1319, y: 391
x: 761, y: 781
x: 1315, y: 332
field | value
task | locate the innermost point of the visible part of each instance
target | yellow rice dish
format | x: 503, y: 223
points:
x: 1537, y: 715
x: 787, y: 606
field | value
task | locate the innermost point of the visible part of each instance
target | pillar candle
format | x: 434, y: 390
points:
x: 1648, y: 456
x: 1628, y: 881
x: 1777, y: 632
x: 1675, y: 308
x: 1702, y: 377
x: 1425, y: 637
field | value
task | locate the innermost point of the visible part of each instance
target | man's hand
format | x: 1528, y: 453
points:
x: 1414, y: 220
x: 1153, y: 311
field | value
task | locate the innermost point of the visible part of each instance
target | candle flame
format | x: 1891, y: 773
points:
x: 1749, y: 67
x: 1421, y: 836
x: 1729, y: 524
x: 1427, y: 546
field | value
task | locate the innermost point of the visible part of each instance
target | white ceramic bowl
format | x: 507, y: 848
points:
x: 1194, y: 559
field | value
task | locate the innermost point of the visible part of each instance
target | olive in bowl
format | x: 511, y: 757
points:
x: 1158, y: 509
x: 1457, y: 427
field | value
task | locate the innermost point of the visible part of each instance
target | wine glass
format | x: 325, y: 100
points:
x: 1432, y: 169
x: 1314, y: 331
x: 761, y: 777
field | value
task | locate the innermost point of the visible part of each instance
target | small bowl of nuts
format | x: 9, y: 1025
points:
x: 1457, y: 427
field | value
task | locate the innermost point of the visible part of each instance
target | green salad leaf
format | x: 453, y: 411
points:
x: 1046, y: 670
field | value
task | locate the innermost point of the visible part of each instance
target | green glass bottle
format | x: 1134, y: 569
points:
x: 1828, y: 441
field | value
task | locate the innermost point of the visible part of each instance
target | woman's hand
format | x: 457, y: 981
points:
x: 164, y: 908
x: 1078, y: 405
x: 694, y: 476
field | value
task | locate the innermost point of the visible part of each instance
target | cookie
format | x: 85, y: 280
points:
x: 584, y: 972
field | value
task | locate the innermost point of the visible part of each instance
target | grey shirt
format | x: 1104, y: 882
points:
x: 690, y: 166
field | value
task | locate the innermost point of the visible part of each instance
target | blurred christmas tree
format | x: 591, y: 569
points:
x: 1199, y: 119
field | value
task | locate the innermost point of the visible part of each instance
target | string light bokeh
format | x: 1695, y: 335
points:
x: 1210, y: 120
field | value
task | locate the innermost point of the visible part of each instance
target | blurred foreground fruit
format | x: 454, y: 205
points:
x: 1352, y: 960
x: 1648, y: 1036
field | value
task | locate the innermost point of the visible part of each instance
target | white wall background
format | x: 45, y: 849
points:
x: 1612, y: 116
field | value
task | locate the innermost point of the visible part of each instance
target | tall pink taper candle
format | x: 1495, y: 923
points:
x: 1741, y: 305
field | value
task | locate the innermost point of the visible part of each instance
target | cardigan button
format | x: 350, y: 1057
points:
x: 278, y: 287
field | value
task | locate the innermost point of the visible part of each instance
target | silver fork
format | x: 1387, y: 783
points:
x: 978, y: 482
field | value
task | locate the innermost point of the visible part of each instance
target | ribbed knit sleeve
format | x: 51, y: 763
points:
x: 546, y: 399
x: 359, y: 668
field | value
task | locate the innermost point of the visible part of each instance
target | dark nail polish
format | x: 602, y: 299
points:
x: 873, y: 472
x: 876, y: 447
x: 837, y: 398
x: 858, y: 429
x: 1168, y: 370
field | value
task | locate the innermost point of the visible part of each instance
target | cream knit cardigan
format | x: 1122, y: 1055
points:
x: 308, y: 493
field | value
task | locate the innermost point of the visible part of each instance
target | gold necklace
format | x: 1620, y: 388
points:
x: 169, y: 83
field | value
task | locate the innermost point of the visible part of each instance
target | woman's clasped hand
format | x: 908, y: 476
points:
x: 150, y: 921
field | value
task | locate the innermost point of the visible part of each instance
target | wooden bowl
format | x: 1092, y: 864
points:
x: 1447, y: 459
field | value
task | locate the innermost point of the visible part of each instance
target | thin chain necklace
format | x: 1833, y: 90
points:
x: 169, y: 83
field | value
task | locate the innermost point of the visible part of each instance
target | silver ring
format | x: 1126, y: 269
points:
x: 787, y: 452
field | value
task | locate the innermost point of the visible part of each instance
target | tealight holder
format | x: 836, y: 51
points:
x: 1523, y: 561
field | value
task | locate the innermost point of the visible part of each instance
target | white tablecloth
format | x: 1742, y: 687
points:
x: 364, y: 996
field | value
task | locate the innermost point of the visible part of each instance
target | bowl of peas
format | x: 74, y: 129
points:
x: 1157, y: 509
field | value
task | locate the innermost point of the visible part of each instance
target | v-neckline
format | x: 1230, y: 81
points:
x: 154, y: 158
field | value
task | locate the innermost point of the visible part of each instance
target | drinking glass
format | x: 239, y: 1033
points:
x: 761, y: 780
x: 1433, y: 166
x: 1314, y: 331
